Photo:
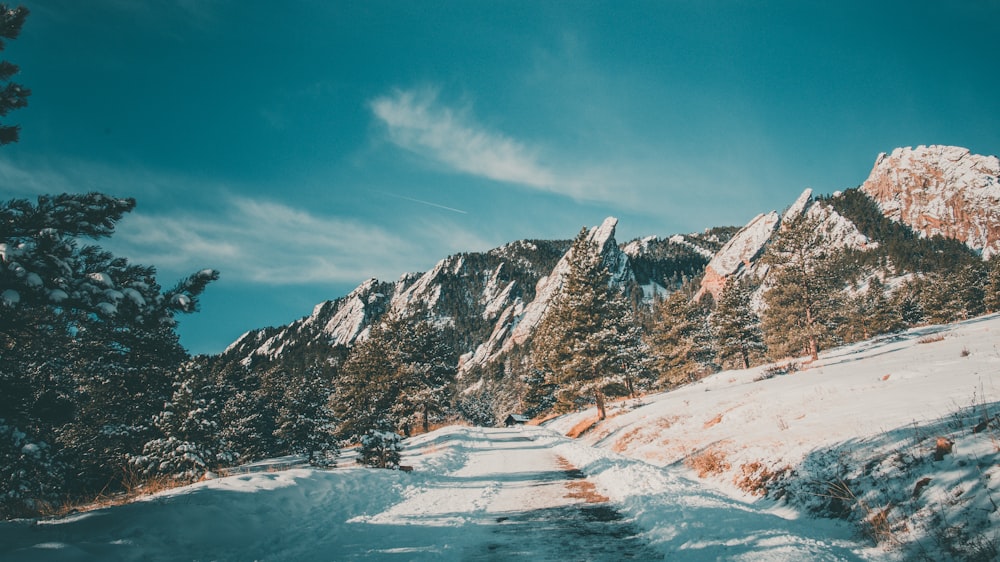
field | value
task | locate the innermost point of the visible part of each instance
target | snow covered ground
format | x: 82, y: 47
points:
x: 853, y: 434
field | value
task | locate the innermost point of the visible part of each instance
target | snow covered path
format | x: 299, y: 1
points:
x: 512, y: 496
x: 474, y: 494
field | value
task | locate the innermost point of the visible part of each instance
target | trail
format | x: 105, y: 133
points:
x: 513, y: 496
x: 474, y: 494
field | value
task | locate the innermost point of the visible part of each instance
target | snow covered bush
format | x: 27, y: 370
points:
x: 380, y: 449
x: 180, y: 460
x: 29, y: 475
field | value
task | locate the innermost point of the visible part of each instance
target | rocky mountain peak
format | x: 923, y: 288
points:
x: 942, y: 190
x: 518, y: 322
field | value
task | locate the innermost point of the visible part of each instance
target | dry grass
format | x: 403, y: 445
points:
x: 586, y: 491
x: 622, y: 443
x: 931, y: 338
x: 708, y: 462
x: 875, y: 524
x: 714, y: 421
x: 135, y: 488
x: 582, y: 427
x: 755, y: 478
x: 581, y: 488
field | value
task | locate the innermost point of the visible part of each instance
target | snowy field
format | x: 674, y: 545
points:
x: 866, y: 419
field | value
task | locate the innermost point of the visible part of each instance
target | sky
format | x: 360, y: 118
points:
x: 305, y: 146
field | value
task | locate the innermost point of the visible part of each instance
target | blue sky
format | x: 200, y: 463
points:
x: 302, y: 147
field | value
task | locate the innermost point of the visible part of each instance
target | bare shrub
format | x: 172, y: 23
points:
x: 756, y: 479
x: 708, y: 462
x: 931, y: 338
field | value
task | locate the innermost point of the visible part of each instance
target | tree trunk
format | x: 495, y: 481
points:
x: 599, y: 398
x: 427, y: 424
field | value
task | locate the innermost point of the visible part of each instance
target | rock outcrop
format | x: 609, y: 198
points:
x: 942, y: 190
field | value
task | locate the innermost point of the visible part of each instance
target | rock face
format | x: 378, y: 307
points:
x: 941, y: 190
x: 518, y: 322
x: 738, y: 254
x: 741, y: 255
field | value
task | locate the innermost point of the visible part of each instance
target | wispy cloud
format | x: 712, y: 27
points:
x: 417, y: 122
x: 183, y: 224
x: 261, y: 241
x: 427, y: 203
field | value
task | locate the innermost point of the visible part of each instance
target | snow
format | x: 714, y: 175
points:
x: 867, y: 414
x: 102, y: 279
x: 680, y: 239
x: 745, y: 245
x: 10, y: 297
x: 940, y: 190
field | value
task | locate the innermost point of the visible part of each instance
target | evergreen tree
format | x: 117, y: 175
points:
x: 681, y: 339
x: 88, y: 343
x: 580, y: 342
x: 950, y: 296
x: 367, y: 386
x: 991, y: 290
x: 737, y: 326
x: 248, y: 415
x: 380, y: 448
x: 869, y: 314
x: 188, y: 443
x: 305, y: 423
x: 12, y: 95
x: 802, y: 301
x: 426, y: 372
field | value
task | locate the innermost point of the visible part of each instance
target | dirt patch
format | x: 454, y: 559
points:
x: 708, y: 462
x: 579, y: 487
x: 582, y: 427
x: 625, y: 440
x: 714, y: 421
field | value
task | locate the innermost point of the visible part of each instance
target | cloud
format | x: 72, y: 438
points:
x: 183, y: 224
x: 416, y: 122
x: 264, y: 242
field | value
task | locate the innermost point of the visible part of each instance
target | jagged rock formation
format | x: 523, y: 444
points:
x: 489, y: 301
x: 519, y: 320
x: 741, y: 255
x: 942, y: 190
x: 466, y: 292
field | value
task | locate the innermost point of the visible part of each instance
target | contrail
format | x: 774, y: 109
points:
x: 428, y: 203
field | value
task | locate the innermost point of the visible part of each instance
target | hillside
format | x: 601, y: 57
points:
x: 857, y: 431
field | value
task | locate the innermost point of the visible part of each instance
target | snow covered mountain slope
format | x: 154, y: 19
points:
x: 942, y: 190
x: 469, y: 290
x: 905, y: 425
x: 856, y: 435
x: 488, y: 300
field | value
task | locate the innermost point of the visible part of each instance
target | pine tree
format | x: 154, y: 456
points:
x: 426, y: 371
x: 869, y: 314
x: 681, y: 339
x: 88, y: 342
x: 801, y: 302
x: 991, y: 290
x: 248, y: 419
x: 579, y: 342
x: 736, y: 325
x: 367, y: 385
x: 12, y: 95
x: 306, y: 423
x: 188, y: 443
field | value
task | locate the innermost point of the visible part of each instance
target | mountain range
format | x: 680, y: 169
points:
x: 492, y: 301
